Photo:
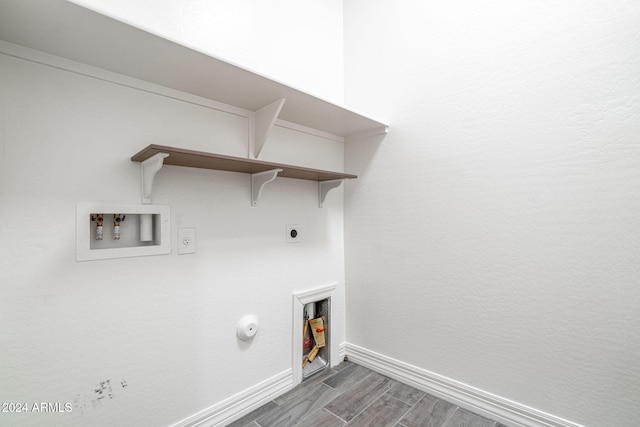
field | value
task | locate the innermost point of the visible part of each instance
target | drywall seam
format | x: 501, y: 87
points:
x: 468, y: 397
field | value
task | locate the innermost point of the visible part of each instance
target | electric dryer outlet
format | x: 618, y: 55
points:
x: 293, y: 233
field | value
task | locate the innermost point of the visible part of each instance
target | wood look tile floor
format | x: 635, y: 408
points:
x: 352, y: 395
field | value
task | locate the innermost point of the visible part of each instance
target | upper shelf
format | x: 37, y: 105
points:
x: 67, y: 30
x: 199, y: 159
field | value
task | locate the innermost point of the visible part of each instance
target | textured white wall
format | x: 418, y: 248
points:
x: 493, y: 236
x: 297, y: 42
x: 163, y: 324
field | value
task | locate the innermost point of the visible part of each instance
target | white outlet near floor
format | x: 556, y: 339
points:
x: 186, y: 241
x: 293, y: 233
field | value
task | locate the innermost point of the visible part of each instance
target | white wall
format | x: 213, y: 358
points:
x: 492, y: 232
x: 297, y: 42
x: 165, y: 325
x: 492, y: 237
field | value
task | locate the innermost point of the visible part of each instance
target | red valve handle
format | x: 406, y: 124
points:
x: 319, y: 330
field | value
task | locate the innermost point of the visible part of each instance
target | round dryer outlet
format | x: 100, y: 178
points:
x: 293, y: 233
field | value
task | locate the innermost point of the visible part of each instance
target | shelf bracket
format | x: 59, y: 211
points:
x: 324, y: 187
x: 265, y: 118
x: 148, y: 170
x: 259, y: 180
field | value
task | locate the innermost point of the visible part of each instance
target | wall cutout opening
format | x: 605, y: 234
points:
x: 118, y: 231
x: 123, y: 230
x: 312, y: 304
x: 315, y: 341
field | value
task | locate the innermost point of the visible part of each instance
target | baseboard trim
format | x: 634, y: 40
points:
x: 240, y: 404
x: 342, y: 352
x: 479, y: 401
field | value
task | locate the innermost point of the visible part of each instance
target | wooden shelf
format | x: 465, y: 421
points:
x: 66, y: 30
x: 199, y: 159
x: 154, y: 157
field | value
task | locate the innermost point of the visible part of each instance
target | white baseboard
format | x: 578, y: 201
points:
x: 241, y: 404
x: 476, y: 400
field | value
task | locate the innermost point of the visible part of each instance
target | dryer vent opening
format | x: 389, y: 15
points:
x: 315, y: 341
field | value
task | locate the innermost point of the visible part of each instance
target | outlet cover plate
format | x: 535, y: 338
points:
x: 186, y: 241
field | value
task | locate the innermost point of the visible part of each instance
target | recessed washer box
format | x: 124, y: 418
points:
x: 127, y: 230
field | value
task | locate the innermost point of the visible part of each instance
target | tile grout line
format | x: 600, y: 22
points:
x: 401, y: 401
x: 311, y: 387
x: 328, y: 411
x: 404, y: 397
x: 344, y: 391
x: 444, y: 423
x: 323, y: 382
x: 318, y: 387
x: 353, y: 385
x: 372, y: 402
x: 408, y: 410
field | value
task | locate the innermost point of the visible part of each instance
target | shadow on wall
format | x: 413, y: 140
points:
x: 360, y: 152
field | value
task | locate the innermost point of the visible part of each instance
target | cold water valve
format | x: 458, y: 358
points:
x: 117, y: 219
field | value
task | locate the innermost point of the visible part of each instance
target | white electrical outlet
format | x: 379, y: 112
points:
x: 186, y: 241
x: 293, y: 233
